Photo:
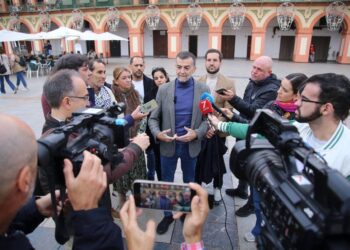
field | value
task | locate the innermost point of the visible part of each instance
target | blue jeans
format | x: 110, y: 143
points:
x: 151, y: 164
x: 2, y: 86
x: 188, y: 166
x: 20, y: 78
x: 256, y: 201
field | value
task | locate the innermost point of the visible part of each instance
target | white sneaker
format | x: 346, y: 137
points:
x: 249, y: 237
x: 217, y: 195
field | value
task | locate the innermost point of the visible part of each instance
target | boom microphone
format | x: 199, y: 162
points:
x: 210, y: 98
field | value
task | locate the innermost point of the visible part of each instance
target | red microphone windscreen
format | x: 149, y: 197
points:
x: 205, y: 107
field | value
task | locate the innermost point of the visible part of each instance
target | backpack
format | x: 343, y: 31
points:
x: 22, y: 62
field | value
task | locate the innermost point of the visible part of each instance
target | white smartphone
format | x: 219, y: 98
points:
x: 162, y: 195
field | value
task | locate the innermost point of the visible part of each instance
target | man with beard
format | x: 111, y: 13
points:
x: 261, y: 89
x: 147, y: 90
x: 143, y: 84
x: 102, y: 96
x: 215, y: 80
x: 323, y: 104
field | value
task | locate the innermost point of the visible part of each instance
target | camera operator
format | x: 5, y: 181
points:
x: 66, y: 93
x: 20, y: 214
x: 323, y: 104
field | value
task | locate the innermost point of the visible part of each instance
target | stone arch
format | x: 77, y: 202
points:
x: 205, y: 16
x: 121, y: 17
x: 86, y: 18
x: 91, y: 22
x: 53, y: 20
x: 346, y: 20
x: 27, y: 24
x: 142, y: 22
x: 298, y: 23
x: 247, y: 16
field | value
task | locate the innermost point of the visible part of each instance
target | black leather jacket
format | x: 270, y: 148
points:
x: 256, y: 96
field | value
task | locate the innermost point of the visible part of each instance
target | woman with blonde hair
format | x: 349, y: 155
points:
x: 124, y: 91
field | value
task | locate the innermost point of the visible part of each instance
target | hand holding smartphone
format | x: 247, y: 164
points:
x: 220, y: 91
x: 161, y: 195
x: 149, y: 106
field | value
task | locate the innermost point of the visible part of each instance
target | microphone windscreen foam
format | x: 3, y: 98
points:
x: 207, y: 96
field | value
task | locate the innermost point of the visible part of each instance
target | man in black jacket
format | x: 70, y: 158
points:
x: 147, y: 90
x: 261, y: 89
x: 20, y: 214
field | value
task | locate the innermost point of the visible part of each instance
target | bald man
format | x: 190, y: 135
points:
x: 20, y: 214
x: 261, y: 89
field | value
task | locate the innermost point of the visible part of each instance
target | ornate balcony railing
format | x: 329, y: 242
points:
x: 73, y: 4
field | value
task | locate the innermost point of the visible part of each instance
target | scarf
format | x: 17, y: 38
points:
x: 131, y: 98
x: 286, y: 106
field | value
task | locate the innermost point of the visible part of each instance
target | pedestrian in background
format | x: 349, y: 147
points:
x: 18, y: 67
x: 4, y: 60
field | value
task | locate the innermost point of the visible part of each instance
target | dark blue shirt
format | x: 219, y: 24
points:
x: 184, y: 93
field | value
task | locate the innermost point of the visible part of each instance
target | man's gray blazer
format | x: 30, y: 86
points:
x: 163, y: 118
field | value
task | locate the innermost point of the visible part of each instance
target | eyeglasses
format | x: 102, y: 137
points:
x: 304, y: 99
x: 85, y: 98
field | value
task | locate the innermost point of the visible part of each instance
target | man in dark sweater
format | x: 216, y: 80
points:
x: 262, y: 88
x: 20, y: 214
x: 177, y: 124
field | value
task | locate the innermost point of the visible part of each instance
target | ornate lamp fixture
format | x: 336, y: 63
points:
x: 236, y: 15
x: 285, y: 15
x: 45, y: 20
x: 194, y: 16
x: 335, y: 15
x: 78, y: 19
x: 152, y: 16
x: 112, y: 19
x: 14, y: 9
x: 14, y: 22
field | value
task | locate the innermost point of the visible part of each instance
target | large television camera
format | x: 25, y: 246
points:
x: 96, y: 130
x: 305, y: 204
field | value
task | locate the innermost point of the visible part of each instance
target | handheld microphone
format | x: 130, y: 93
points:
x: 210, y: 98
x: 205, y: 107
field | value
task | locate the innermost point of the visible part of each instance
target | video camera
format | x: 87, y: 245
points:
x: 305, y: 204
x: 95, y: 130
x: 98, y: 131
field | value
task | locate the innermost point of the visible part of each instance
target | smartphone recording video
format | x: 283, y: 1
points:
x: 220, y: 91
x: 161, y: 195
